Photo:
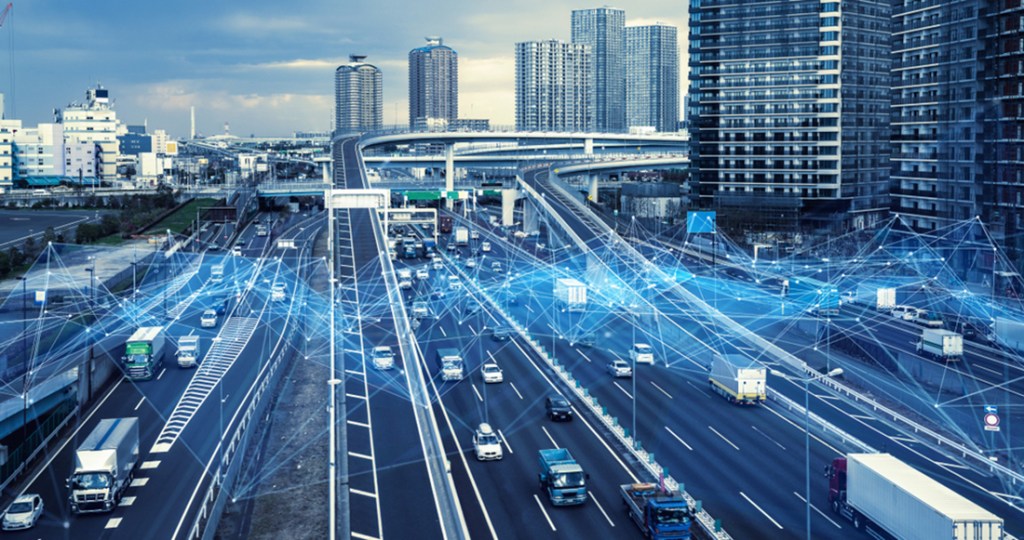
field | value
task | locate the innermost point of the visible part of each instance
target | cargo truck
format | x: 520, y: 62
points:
x: 444, y: 224
x: 188, y: 351
x: 882, y: 298
x: 217, y: 273
x: 738, y: 379
x: 943, y: 345
x: 451, y: 364
x: 461, y: 236
x: 881, y: 492
x: 570, y: 294
x: 661, y: 514
x: 1009, y: 333
x: 561, y: 477
x: 104, y: 465
x: 144, y: 353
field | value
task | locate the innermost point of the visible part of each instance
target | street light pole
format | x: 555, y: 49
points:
x: 24, y: 353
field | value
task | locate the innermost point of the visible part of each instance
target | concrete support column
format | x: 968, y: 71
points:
x: 530, y: 217
x: 592, y: 191
x: 588, y: 147
x: 508, y: 205
x: 449, y: 170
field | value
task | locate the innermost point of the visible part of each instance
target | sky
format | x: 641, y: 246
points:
x: 267, y: 68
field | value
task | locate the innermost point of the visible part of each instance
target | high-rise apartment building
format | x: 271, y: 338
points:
x: 789, y: 112
x: 433, y: 84
x: 603, y: 31
x: 358, y: 96
x: 652, y: 77
x: 552, y: 86
x: 93, y: 123
x: 936, y: 136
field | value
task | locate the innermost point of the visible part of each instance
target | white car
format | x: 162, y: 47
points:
x: 437, y: 264
x: 619, y: 368
x: 474, y: 234
x: 422, y: 274
x: 471, y: 263
x: 485, y: 247
x: 641, y: 353
x: 420, y: 310
x: 383, y: 358
x: 236, y: 251
x: 496, y: 267
x: 405, y: 284
x: 486, y: 443
x: 454, y: 282
x: 492, y: 373
x: 277, y: 292
x: 24, y: 512
x: 208, y: 319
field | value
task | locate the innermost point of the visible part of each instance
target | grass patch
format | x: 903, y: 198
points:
x: 182, y: 219
x: 111, y: 240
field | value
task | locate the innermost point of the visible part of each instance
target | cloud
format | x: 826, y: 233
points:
x: 300, y: 64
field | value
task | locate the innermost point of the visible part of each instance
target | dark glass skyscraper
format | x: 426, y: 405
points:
x: 602, y: 30
x: 433, y: 84
x: 789, y: 112
x: 652, y: 77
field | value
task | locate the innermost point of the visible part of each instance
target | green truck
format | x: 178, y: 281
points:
x: 144, y: 353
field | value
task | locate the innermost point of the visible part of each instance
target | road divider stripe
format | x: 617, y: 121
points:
x: 816, y: 509
x: 113, y: 523
x: 149, y: 465
x: 715, y: 431
x: 139, y: 482
x: 126, y: 501
x: 759, y: 509
x: 362, y: 536
x: 662, y: 390
x: 139, y: 404
x: 516, y: 390
x: 361, y: 456
x: 477, y: 392
x: 360, y: 424
x: 678, y: 438
x: 601, y: 508
x: 550, y: 438
x: 545, y: 512
x: 630, y: 396
x: 363, y: 493
x: 504, y: 440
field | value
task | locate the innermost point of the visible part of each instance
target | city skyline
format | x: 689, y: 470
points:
x: 225, y: 65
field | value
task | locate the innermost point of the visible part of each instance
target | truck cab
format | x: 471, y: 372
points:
x: 561, y: 477
x: 451, y: 364
x: 661, y: 514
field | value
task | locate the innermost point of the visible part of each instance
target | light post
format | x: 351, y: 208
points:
x: 24, y: 353
x: 92, y: 298
x: 807, y: 432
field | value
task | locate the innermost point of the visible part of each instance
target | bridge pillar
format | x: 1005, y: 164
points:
x: 508, y: 206
x: 327, y: 172
x: 588, y: 147
x: 592, y: 190
x: 449, y: 170
x: 530, y: 217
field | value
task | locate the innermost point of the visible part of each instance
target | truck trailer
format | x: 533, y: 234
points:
x: 561, y: 477
x: 661, y: 514
x: 738, y: 379
x: 104, y: 465
x: 571, y: 294
x: 942, y: 345
x: 881, y: 492
x: 450, y: 360
x: 144, y: 353
x: 461, y: 236
x: 1009, y: 333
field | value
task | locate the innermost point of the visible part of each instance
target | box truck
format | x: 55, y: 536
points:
x: 104, y: 465
x: 571, y: 294
x: 738, y: 378
x: 144, y: 353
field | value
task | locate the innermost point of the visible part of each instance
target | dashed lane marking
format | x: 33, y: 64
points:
x: 139, y: 482
x: 363, y: 493
x: 126, y: 501
x: 114, y: 523
x: 545, y: 512
x: 361, y: 456
x: 146, y: 465
x: 759, y: 509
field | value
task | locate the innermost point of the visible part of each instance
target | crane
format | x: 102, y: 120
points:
x: 3, y: 15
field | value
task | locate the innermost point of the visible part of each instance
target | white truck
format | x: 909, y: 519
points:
x: 879, y: 491
x: 104, y: 465
x: 882, y: 298
x: 461, y: 236
x: 451, y: 364
x: 1009, y: 333
x: 738, y: 379
x: 188, y: 351
x: 571, y: 294
x: 944, y: 345
x: 217, y: 273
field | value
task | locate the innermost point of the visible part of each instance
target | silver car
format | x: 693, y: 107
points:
x: 23, y: 513
x: 619, y: 368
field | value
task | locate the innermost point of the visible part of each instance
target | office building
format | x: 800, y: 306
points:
x: 552, y: 86
x: 652, y: 77
x: 93, y: 123
x: 358, y: 96
x: 433, y: 84
x: 603, y: 31
x: 135, y: 140
x: 789, y: 113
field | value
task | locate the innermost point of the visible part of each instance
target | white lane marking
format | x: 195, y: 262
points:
x: 126, y: 501
x: 678, y: 438
x: 601, y: 508
x: 113, y: 523
x: 990, y: 370
x: 585, y: 357
x: 513, y: 385
x: 662, y: 390
x: 362, y: 536
x: 823, y: 514
x: 504, y: 440
x: 801, y: 428
x: 161, y: 374
x: 600, y: 439
x: 139, y: 404
x: 701, y: 390
x: 777, y: 443
x: 545, y: 512
x: 477, y: 392
x: 530, y: 309
x: 139, y: 482
x: 361, y: 456
x: 491, y: 356
x: 723, y: 437
x: 904, y: 439
x: 550, y: 438
x: 630, y: 396
x: 861, y: 417
x: 363, y: 493
x: 146, y: 465
x: 353, y: 372
x: 360, y: 424
x: 471, y: 330
x: 443, y: 333
x: 354, y: 396
x: 759, y: 509
x: 954, y: 465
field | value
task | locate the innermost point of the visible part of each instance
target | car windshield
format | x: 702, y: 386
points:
x: 559, y: 403
x: 491, y: 369
x: 673, y: 516
x: 20, y: 508
x: 138, y: 358
x: 643, y: 349
x: 568, y: 480
x: 486, y: 439
x: 90, y: 481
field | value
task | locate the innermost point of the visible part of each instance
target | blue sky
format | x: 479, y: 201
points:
x: 266, y: 68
